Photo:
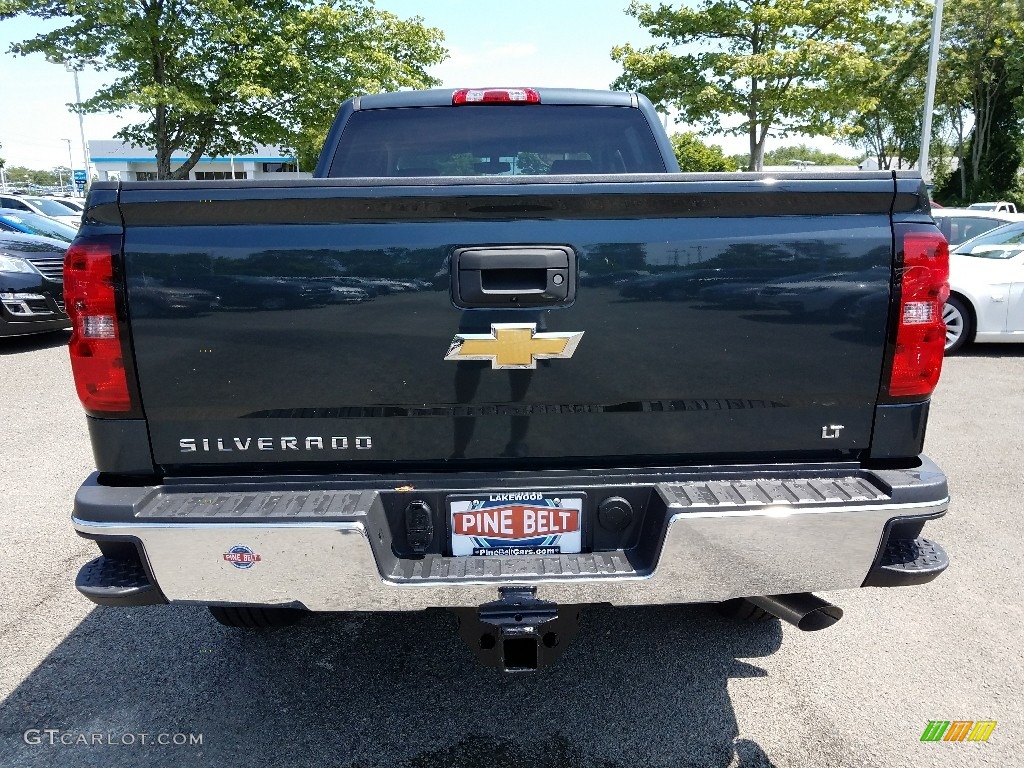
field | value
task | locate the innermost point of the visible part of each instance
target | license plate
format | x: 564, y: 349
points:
x: 515, y: 524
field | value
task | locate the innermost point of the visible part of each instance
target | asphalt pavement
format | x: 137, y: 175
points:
x: 667, y: 686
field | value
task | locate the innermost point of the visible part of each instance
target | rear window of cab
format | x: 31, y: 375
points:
x: 517, y: 140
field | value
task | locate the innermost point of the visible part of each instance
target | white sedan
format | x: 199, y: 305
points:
x: 959, y: 225
x: 986, y: 284
x: 41, y: 206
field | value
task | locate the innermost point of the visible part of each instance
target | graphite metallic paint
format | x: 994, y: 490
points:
x: 670, y: 305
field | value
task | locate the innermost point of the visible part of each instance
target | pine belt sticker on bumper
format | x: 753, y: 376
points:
x: 241, y: 556
x: 516, y: 524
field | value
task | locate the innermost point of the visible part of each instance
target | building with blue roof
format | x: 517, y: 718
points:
x: 117, y: 161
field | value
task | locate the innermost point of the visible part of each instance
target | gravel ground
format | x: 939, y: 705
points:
x: 673, y: 686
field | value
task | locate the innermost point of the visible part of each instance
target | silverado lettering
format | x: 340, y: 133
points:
x: 228, y: 445
x: 744, y: 423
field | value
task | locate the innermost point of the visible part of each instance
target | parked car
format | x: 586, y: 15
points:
x: 34, y: 224
x: 31, y: 284
x: 154, y: 298
x: 42, y: 206
x: 830, y: 295
x: 688, y: 283
x: 986, y: 289
x: 344, y: 294
x: 1000, y: 207
x: 359, y: 283
x: 961, y: 224
x: 270, y: 293
x: 385, y: 286
x: 70, y: 202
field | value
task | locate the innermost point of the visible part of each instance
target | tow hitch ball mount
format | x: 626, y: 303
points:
x: 518, y: 632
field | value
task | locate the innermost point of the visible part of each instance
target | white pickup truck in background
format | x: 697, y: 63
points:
x: 1000, y: 207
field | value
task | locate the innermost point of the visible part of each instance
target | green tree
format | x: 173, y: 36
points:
x: 696, y: 156
x: 788, y: 154
x: 532, y: 164
x: 218, y: 77
x: 897, y: 46
x: 981, y: 86
x: 781, y: 66
x: 22, y: 175
x: 62, y: 176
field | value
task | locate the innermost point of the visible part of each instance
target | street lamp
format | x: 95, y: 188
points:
x: 71, y: 168
x: 74, y: 68
x: 929, y: 92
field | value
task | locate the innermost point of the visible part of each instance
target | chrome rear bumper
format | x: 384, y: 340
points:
x: 705, y: 552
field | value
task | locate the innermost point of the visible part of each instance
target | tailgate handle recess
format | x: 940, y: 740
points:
x: 513, y: 276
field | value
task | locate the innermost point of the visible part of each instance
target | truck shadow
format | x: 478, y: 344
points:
x: 15, y: 345
x: 638, y: 687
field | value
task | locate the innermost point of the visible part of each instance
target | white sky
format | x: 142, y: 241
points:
x: 563, y: 43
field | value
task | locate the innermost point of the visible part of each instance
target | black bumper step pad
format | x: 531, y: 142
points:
x: 905, y: 562
x: 455, y: 569
x: 117, y: 582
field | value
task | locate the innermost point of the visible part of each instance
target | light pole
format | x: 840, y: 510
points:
x: 74, y: 68
x: 929, y: 92
x: 232, y: 129
x: 71, y: 168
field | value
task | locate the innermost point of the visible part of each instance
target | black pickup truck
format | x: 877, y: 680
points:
x: 584, y: 377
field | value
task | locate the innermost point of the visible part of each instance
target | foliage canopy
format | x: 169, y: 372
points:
x: 754, y: 67
x: 697, y: 157
x: 897, y: 46
x: 981, y: 95
x: 218, y: 77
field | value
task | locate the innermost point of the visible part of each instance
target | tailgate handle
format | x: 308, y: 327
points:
x: 513, y: 276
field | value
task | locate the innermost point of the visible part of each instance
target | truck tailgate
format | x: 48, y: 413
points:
x: 720, y: 317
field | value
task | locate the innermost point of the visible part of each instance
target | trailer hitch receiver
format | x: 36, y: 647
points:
x: 518, y: 632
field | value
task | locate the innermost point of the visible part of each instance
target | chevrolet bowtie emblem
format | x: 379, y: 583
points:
x: 512, y: 345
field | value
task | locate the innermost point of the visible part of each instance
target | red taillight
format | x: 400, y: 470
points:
x: 496, y: 96
x: 96, y: 357
x: 921, y: 332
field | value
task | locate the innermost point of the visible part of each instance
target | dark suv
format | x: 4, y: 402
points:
x: 31, y: 285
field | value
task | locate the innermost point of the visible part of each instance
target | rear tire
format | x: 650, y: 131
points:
x: 739, y: 609
x: 959, y: 324
x: 255, y: 617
